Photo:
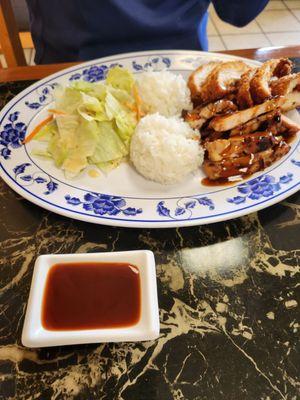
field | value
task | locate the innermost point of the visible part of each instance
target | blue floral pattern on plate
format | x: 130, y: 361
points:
x: 155, y: 63
x: 94, y: 73
x: 44, y: 97
x: 262, y: 187
x: 35, y: 177
x: 295, y: 162
x: 12, y: 135
x: 103, y: 204
x: 184, y: 206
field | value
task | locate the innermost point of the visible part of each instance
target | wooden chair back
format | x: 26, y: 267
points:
x: 9, y: 36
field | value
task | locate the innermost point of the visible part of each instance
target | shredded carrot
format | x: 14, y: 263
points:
x: 37, y: 129
x: 53, y: 111
x: 138, y: 102
x: 130, y: 106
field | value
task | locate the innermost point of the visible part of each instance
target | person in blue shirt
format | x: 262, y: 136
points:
x: 78, y: 30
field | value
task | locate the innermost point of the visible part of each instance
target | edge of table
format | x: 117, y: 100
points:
x: 36, y: 72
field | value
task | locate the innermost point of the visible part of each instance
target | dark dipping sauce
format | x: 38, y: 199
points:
x: 80, y: 296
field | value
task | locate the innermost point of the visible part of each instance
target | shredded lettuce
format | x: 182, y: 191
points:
x: 93, y: 124
x: 41, y: 153
x: 120, y: 78
x: 46, y: 132
x: 109, y: 146
x: 124, y: 119
x: 91, y: 109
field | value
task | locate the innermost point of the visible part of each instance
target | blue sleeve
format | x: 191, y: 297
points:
x: 239, y: 12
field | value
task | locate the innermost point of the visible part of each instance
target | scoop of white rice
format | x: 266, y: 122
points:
x: 164, y: 149
x: 164, y: 92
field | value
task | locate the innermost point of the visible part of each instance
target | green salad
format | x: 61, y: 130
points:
x: 92, y: 123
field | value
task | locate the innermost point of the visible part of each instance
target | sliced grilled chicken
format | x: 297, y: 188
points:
x: 285, y: 85
x: 284, y: 67
x: 197, y: 78
x: 193, y: 118
x: 216, y: 148
x: 291, y: 101
x: 268, y: 120
x: 259, y: 85
x: 243, y: 96
x: 219, y: 107
x: 239, y: 114
x: 289, y: 125
x: 245, y: 165
x: 241, y: 145
x: 197, y: 117
x: 227, y: 122
x: 222, y: 80
x: 261, y: 78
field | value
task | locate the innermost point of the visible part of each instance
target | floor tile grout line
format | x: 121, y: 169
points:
x: 292, y: 11
x: 235, y: 27
x: 219, y: 47
x: 258, y: 33
x: 264, y: 33
x: 298, y: 19
x: 259, y: 25
x: 212, y: 22
x: 289, y: 41
x: 270, y: 43
x: 287, y: 9
x: 261, y: 29
x: 274, y: 9
x: 235, y: 44
x: 291, y: 8
x: 285, y: 6
x: 219, y: 34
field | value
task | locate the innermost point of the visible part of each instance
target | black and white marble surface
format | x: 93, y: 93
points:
x: 229, y: 308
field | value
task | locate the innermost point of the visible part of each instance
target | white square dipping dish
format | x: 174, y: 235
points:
x: 147, y: 328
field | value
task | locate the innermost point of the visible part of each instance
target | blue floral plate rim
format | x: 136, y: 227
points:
x: 40, y: 187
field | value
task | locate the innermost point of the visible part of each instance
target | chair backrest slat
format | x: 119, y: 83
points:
x: 9, y: 36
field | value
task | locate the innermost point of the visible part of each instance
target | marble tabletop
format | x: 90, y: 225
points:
x: 229, y: 308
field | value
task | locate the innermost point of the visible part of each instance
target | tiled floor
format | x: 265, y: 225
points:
x: 277, y: 25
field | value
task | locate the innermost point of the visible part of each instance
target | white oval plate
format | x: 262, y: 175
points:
x: 123, y: 197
